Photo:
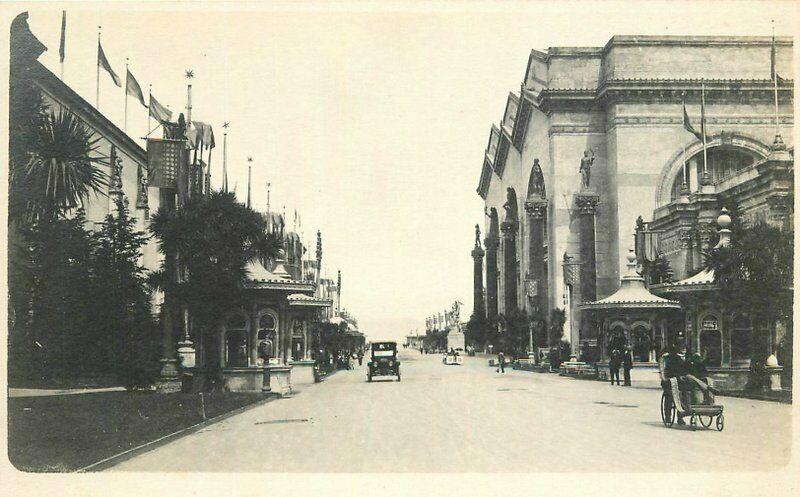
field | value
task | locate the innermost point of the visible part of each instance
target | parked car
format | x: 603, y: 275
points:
x: 383, y: 361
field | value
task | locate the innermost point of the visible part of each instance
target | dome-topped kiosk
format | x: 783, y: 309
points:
x: 634, y: 317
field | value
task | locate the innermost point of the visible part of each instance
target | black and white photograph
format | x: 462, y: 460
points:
x: 402, y: 248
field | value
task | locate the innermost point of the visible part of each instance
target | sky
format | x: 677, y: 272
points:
x: 369, y: 119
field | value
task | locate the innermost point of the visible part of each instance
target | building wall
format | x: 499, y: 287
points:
x: 99, y: 206
x: 636, y: 132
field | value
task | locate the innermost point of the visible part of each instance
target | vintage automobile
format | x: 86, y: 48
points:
x: 383, y: 361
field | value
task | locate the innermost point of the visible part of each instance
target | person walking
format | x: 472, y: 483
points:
x: 501, y: 362
x: 627, y: 365
x: 613, y: 365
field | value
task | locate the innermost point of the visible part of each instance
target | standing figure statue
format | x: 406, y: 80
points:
x: 536, y: 185
x: 586, y: 167
x: 477, y: 236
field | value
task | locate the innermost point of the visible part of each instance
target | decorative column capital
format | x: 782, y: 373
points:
x: 478, y: 253
x: 536, y: 209
x: 587, y: 203
x: 509, y: 229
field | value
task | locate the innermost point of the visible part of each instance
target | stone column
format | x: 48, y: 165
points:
x: 477, y: 284
x: 491, y: 242
x: 509, y: 229
x: 587, y: 204
x: 537, y: 215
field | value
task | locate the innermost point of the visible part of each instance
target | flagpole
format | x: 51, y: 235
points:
x: 125, y: 90
x: 150, y: 103
x: 703, y: 127
x: 775, y: 79
x: 97, y: 100
x: 225, y: 156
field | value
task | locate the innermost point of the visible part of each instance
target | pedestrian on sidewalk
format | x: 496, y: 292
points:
x: 627, y: 365
x: 501, y: 360
x: 613, y: 365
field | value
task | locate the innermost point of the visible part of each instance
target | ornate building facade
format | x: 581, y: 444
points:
x: 595, y: 137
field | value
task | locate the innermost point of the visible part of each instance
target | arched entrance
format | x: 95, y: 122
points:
x: 267, y: 340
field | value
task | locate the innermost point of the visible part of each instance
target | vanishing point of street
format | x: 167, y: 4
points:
x: 471, y: 419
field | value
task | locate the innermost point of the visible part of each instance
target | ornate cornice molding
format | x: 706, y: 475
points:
x: 576, y: 129
x: 641, y: 120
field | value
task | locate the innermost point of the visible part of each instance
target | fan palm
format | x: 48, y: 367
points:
x: 216, y: 238
x: 63, y: 167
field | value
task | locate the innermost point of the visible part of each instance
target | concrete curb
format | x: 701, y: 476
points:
x: 154, y: 444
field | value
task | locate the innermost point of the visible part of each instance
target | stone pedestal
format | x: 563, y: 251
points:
x: 245, y: 379
x: 586, y: 202
x: 492, y: 242
x: 477, y: 283
x: 169, y: 379
x: 280, y: 379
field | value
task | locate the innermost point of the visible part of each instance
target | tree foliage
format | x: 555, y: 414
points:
x: 755, y: 271
x: 215, y: 238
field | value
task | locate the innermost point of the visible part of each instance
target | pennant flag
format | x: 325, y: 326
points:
x: 102, y: 61
x: 687, y: 124
x: 773, y: 75
x: 158, y: 111
x: 62, y: 47
x: 133, y: 89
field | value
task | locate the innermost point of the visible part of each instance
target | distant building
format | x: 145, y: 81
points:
x: 596, y: 138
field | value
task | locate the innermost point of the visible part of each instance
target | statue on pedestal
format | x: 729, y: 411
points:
x: 477, y: 236
x: 586, y: 167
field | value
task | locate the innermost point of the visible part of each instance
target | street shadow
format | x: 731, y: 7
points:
x: 677, y: 427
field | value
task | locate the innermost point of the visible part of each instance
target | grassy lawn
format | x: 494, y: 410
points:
x: 68, y: 432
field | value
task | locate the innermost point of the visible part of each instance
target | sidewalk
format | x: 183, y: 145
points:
x: 42, y: 392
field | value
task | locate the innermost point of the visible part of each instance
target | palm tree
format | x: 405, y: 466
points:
x: 59, y: 168
x: 215, y: 238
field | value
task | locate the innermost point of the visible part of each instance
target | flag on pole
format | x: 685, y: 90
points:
x: 132, y: 87
x: 687, y: 124
x: 102, y: 61
x: 62, y: 46
x: 158, y: 111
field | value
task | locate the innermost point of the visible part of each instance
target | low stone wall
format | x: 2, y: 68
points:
x: 302, y: 372
x: 250, y: 379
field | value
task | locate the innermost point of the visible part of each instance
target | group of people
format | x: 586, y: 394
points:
x: 622, y: 358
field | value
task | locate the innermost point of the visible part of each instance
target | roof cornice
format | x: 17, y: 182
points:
x: 61, y: 92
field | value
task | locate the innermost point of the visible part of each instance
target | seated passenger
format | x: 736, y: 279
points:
x: 678, y: 367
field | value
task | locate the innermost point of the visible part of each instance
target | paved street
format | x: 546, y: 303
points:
x: 470, y: 419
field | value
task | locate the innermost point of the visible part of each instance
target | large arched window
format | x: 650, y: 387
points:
x: 641, y: 343
x: 741, y: 339
x: 267, y: 336
x: 236, y: 341
x: 723, y: 162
